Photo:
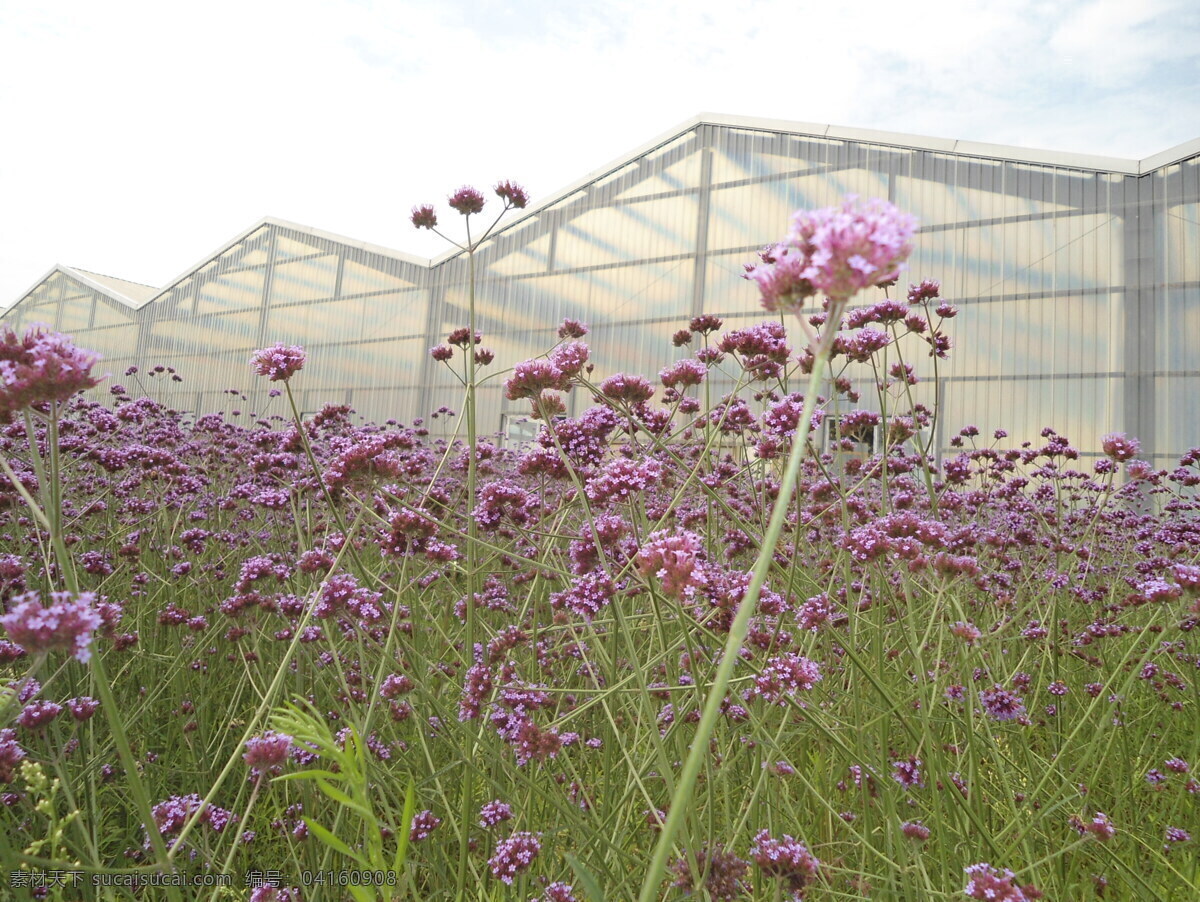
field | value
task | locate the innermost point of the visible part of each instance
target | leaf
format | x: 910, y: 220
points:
x: 327, y: 837
x: 344, y: 800
x: 591, y: 888
x: 410, y: 807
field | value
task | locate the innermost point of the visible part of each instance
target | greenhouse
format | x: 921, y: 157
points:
x: 1077, y: 279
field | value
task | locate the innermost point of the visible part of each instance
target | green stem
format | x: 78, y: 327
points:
x: 733, y: 646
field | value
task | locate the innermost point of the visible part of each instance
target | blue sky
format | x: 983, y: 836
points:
x: 141, y: 136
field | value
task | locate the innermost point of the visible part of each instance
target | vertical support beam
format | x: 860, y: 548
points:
x: 703, y: 198
x: 264, y: 310
x: 1138, y: 416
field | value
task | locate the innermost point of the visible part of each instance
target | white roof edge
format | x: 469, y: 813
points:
x: 85, y: 278
x: 57, y: 267
x: 1170, y: 155
x: 1065, y: 159
x: 349, y: 242
x: 208, y: 258
x: 79, y: 276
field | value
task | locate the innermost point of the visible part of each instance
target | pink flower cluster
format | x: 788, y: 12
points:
x: 785, y: 859
x: 68, y: 624
x: 41, y: 367
x: 514, y: 855
x: 266, y: 754
x: 835, y: 251
x: 279, y: 362
x: 996, y: 886
x: 675, y: 560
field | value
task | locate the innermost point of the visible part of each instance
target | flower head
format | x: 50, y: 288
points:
x: 514, y: 855
x: 266, y: 754
x: 279, y: 362
x: 1120, y: 447
x: 785, y: 859
x: 996, y: 886
x: 424, y: 217
x: 512, y: 194
x: 835, y: 251
x: 41, y: 367
x: 68, y: 624
x: 466, y: 200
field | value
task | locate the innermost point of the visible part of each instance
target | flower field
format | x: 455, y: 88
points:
x: 674, y: 648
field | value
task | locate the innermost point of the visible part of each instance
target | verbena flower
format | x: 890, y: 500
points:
x: 466, y: 200
x: 514, y: 855
x: 996, y: 886
x: 67, y: 625
x: 266, y: 754
x: 724, y: 872
x: 41, y: 367
x: 11, y: 755
x: 836, y: 252
x: 674, y: 560
x: 494, y: 812
x: 423, y: 825
x: 785, y: 859
x: 1001, y: 704
x: 424, y: 217
x: 279, y: 362
x: 512, y: 194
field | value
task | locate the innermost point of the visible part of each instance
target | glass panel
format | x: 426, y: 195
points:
x: 360, y: 279
x: 655, y: 228
x: 231, y: 291
x: 304, y: 280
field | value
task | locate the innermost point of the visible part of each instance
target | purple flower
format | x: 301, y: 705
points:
x: 466, y: 200
x: 626, y: 388
x: 494, y: 812
x: 423, y: 824
x: 41, y: 367
x: 280, y: 362
x: 1001, y: 704
x: 172, y: 814
x: 68, y: 624
x: 785, y: 859
x: 83, y: 708
x: 996, y: 886
x: 11, y: 754
x: 1120, y: 447
x: 675, y: 560
x: 266, y: 754
x: 784, y: 676
x: 683, y: 374
x: 1176, y: 834
x: 572, y: 328
x: 424, y: 217
x: 570, y: 358
x: 835, y: 251
x: 514, y: 855
x: 532, y: 377
x: 37, y: 714
x: 915, y: 830
x: 908, y: 772
x: 512, y: 194
x: 724, y: 872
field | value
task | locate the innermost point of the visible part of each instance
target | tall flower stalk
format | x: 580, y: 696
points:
x: 835, y: 252
x: 470, y: 202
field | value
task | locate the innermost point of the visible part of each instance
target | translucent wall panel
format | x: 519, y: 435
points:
x: 1078, y: 291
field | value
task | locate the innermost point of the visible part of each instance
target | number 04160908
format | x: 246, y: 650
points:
x: 348, y: 878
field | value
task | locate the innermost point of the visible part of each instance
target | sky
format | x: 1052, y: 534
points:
x: 139, y: 137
